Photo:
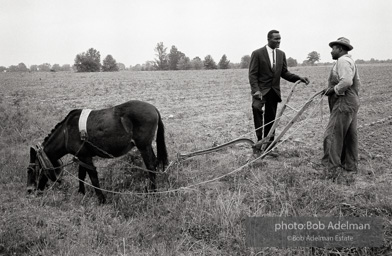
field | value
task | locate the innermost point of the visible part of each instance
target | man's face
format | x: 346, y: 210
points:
x: 274, y: 41
x: 336, y: 51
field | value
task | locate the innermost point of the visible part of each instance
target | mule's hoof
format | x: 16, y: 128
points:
x: 102, y: 199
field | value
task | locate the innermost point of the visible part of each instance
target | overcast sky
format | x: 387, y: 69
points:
x: 55, y: 31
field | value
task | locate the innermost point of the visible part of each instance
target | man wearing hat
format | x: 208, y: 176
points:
x: 341, y: 138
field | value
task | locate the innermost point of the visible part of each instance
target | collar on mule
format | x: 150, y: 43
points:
x: 43, y: 158
x: 46, y: 165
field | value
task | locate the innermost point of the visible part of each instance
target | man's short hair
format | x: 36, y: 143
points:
x: 269, y: 36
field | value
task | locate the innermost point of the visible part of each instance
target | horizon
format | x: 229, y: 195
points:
x: 377, y: 61
x: 369, y: 61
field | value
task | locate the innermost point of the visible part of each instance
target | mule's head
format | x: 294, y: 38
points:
x: 33, y: 171
x: 41, y: 169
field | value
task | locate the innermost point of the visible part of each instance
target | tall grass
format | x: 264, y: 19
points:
x: 200, y: 109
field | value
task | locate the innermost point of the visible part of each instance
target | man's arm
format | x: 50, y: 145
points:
x: 346, y: 74
x: 253, y: 73
x: 287, y: 75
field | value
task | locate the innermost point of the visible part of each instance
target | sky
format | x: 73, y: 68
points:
x: 55, y: 31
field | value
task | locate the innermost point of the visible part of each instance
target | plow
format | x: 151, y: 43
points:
x: 262, y: 147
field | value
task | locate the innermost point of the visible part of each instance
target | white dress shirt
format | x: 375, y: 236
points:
x: 270, y: 52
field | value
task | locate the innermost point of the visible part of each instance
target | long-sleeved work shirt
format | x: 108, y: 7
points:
x: 344, y: 79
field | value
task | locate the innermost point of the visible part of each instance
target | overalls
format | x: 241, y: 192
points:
x: 341, y: 137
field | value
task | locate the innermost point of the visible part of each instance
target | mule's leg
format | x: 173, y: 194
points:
x: 58, y: 171
x: 42, y: 182
x: 82, y: 176
x: 150, y: 161
x: 93, y: 174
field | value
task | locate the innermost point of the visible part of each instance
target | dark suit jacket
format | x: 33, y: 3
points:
x: 261, y: 76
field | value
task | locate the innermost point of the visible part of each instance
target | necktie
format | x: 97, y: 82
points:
x: 273, y: 61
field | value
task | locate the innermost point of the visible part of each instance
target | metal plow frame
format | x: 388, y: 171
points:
x: 261, y: 146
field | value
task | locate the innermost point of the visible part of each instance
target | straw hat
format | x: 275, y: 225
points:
x: 342, y: 41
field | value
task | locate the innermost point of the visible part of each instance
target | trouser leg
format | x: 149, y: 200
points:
x: 271, y: 106
x: 334, y: 138
x: 349, y: 158
x: 258, y: 119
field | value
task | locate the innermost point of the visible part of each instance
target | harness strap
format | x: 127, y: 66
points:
x: 90, y: 167
x: 43, y: 158
x: 83, y: 123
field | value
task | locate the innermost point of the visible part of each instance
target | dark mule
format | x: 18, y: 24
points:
x: 111, y: 132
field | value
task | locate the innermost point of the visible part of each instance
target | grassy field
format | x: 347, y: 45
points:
x: 200, y: 109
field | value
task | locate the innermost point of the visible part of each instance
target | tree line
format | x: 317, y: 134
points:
x: 90, y: 61
x: 45, y: 67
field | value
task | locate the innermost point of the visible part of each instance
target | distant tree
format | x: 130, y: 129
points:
x: 196, y: 63
x: 224, y: 62
x: 121, y: 66
x: 209, y: 63
x: 149, y: 66
x: 313, y: 57
x: 234, y: 65
x: 174, y: 57
x: 2, y: 68
x: 33, y: 68
x: 360, y: 62
x: 22, y: 67
x: 89, y: 61
x: 45, y: 67
x: 109, y: 64
x: 291, y: 62
x: 66, y: 67
x: 137, y: 67
x: 13, y: 68
x: 161, y: 63
x: 245, y: 60
x: 184, y: 63
x: 56, y: 67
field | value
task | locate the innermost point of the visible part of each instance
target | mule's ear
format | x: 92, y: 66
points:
x: 33, y: 155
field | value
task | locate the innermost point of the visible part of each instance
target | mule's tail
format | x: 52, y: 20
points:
x: 161, y: 145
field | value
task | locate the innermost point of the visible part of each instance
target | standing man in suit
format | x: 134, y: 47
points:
x: 267, y: 65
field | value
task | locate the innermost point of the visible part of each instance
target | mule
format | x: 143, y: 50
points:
x: 111, y: 132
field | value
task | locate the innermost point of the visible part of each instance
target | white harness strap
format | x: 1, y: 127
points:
x: 83, y: 123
